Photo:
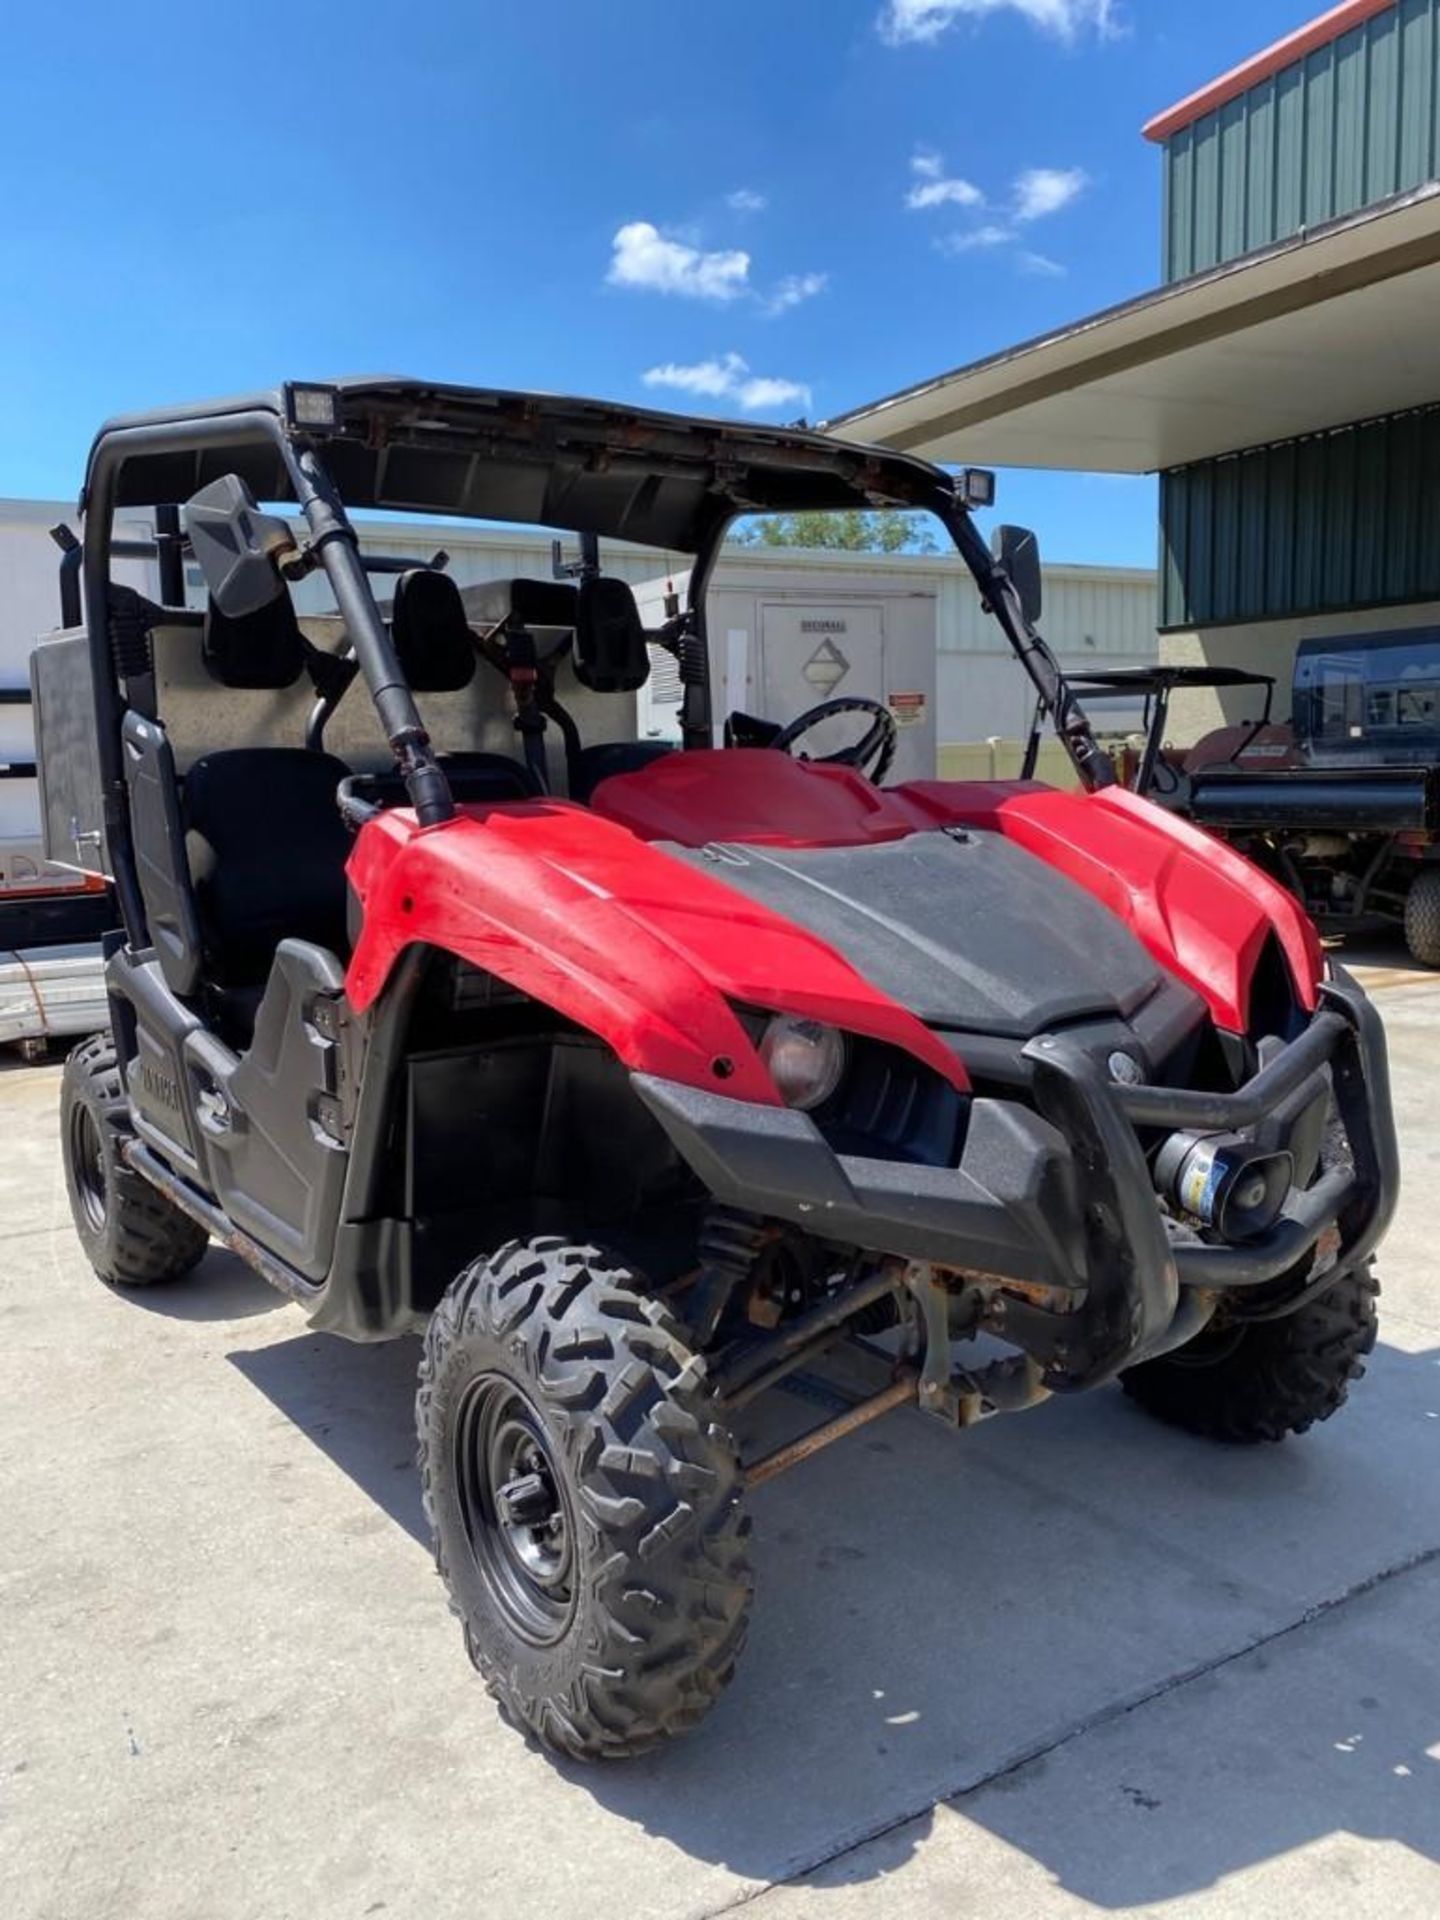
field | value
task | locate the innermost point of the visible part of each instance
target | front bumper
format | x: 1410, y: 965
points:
x: 1061, y: 1198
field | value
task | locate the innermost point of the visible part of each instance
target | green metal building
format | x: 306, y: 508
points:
x: 1339, y: 117
x: 1284, y: 380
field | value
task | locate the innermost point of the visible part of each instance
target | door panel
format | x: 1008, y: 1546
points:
x: 812, y: 651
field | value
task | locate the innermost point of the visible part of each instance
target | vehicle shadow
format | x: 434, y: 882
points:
x: 12, y: 1060
x: 228, y: 1289
x: 940, y: 1615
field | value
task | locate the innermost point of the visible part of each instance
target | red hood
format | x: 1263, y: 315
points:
x: 651, y: 953
x: 637, y: 947
x: 1202, y: 911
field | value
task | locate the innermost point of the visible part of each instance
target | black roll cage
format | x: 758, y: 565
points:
x: 1155, y: 684
x: 334, y: 546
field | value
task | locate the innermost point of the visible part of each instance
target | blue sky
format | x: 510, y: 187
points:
x: 790, y: 206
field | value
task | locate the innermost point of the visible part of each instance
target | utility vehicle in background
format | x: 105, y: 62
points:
x: 1342, y: 803
x: 636, y: 1078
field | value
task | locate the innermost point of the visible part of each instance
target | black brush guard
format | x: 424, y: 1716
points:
x: 1060, y: 1201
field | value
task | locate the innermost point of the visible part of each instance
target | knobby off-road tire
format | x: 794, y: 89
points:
x: 1269, y: 1379
x: 132, y: 1235
x: 1422, y: 919
x: 567, y: 1437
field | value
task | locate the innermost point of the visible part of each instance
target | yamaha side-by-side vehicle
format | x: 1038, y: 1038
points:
x: 635, y: 1078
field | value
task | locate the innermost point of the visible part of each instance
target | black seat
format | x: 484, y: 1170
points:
x: 597, y: 763
x: 476, y: 776
x: 549, y: 605
x: 263, y: 651
x: 433, y: 642
x: 610, y: 651
x: 267, y: 851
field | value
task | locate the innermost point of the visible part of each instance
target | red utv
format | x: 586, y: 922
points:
x: 635, y: 1079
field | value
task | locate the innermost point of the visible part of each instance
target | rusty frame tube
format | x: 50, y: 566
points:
x: 798, y: 1339
x: 217, y: 1224
x: 899, y: 1393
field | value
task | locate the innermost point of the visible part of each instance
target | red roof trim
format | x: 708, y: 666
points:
x: 1250, y: 73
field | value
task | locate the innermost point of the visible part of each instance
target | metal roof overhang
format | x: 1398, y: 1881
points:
x: 1333, y: 326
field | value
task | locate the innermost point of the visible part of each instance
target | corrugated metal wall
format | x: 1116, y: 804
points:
x: 1089, y: 611
x: 1350, y: 124
x: 1332, y: 521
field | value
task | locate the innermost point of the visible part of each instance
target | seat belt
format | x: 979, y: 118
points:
x: 516, y: 658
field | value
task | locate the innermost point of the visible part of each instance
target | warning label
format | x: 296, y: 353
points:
x: 907, y: 709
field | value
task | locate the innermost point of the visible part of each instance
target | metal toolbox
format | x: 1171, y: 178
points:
x: 71, y: 807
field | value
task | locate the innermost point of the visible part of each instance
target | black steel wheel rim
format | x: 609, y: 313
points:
x: 87, y: 1159
x: 516, y: 1508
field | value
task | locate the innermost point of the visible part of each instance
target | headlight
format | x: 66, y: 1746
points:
x: 805, y: 1059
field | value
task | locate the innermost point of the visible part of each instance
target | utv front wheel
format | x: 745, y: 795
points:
x: 1270, y: 1378
x: 132, y: 1235
x: 584, y: 1501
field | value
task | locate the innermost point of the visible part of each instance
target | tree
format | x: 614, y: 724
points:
x: 852, y: 530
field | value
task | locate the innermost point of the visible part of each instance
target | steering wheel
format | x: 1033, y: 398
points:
x: 877, y: 744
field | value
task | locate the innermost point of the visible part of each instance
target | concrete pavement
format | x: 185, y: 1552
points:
x: 1064, y: 1663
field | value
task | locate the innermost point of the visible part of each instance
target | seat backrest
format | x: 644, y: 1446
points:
x: 488, y: 777
x: 267, y: 852
x: 263, y: 650
x: 547, y: 604
x: 603, y: 761
x: 610, y: 651
x: 432, y: 635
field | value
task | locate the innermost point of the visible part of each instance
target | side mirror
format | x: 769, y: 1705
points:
x: 1018, y: 552
x: 236, y: 547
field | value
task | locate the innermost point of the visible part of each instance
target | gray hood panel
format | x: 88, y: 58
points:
x: 968, y: 932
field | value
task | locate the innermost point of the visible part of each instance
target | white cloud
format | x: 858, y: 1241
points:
x: 1034, y: 195
x: 712, y: 378
x: 746, y: 200
x: 763, y: 394
x: 923, y: 21
x: 646, y: 259
x: 728, y: 377
x: 1044, y: 190
x: 796, y: 288
x: 944, y: 193
x: 935, y: 188
x: 650, y: 261
x: 975, y: 238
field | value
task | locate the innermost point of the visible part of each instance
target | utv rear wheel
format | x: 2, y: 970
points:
x: 1270, y: 1378
x: 583, y: 1500
x: 1422, y: 918
x: 131, y: 1234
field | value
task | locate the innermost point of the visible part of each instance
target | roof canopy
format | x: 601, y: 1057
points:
x: 586, y: 466
x: 1333, y: 326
